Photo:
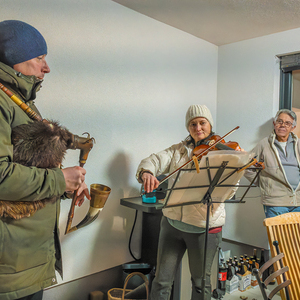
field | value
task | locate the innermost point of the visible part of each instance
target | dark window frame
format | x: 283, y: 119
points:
x: 288, y: 63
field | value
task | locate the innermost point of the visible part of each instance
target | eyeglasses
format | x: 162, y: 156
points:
x: 281, y: 122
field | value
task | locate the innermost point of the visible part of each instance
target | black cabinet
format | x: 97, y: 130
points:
x: 152, y: 214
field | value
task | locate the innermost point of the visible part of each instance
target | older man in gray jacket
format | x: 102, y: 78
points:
x: 279, y: 181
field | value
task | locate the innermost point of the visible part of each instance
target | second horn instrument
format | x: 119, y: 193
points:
x: 99, y: 194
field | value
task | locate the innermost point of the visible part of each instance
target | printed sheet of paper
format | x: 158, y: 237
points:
x: 235, y: 159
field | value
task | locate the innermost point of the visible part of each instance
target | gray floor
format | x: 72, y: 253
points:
x: 252, y: 294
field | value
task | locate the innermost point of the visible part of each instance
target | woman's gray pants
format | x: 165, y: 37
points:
x: 171, y: 247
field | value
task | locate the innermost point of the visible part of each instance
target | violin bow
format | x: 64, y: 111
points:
x: 199, y: 154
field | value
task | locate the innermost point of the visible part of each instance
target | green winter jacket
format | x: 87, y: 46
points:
x: 29, y: 247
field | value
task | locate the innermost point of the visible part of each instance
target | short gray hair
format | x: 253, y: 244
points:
x: 288, y: 112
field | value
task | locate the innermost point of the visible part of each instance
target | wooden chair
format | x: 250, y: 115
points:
x: 280, y: 273
x: 285, y: 229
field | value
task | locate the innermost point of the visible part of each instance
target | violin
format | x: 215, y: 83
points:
x: 203, y: 152
x: 215, y: 143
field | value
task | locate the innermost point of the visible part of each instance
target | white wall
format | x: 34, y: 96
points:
x: 248, y: 96
x: 127, y: 80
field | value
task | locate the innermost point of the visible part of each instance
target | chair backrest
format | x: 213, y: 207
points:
x: 285, y: 229
x: 279, y: 274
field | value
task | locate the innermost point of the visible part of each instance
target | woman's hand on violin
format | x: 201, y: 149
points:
x: 238, y: 148
x: 150, y: 182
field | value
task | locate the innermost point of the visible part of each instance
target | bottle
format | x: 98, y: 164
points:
x: 242, y: 269
x: 229, y: 272
x: 233, y: 265
x: 265, y: 274
x: 262, y: 257
x: 238, y: 268
x: 222, y: 276
x: 254, y: 282
x: 247, y: 263
x: 254, y: 253
x: 258, y: 262
x: 254, y: 264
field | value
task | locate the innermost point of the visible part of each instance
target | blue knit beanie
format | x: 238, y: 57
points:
x: 20, y: 42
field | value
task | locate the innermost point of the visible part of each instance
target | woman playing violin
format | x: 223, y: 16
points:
x: 177, y: 236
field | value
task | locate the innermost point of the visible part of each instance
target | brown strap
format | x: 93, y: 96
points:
x: 196, y: 163
x: 30, y: 113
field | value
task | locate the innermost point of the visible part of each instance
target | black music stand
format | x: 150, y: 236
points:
x: 222, y: 173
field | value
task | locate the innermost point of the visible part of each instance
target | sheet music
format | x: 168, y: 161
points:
x: 236, y: 159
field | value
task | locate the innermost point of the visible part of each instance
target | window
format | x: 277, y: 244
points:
x: 290, y: 84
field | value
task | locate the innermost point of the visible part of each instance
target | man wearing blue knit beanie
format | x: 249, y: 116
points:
x: 20, y: 42
x: 29, y: 246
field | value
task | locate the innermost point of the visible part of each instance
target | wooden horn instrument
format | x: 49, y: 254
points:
x: 99, y: 193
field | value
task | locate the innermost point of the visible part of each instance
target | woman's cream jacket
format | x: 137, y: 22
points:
x: 169, y: 160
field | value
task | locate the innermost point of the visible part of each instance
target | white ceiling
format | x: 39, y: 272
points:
x: 222, y: 22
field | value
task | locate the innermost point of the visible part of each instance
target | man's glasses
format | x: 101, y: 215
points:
x: 281, y: 122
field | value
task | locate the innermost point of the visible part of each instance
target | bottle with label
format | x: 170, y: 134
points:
x: 254, y: 282
x: 222, y: 276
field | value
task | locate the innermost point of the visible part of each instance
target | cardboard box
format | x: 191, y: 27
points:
x: 244, y: 281
x: 232, y: 285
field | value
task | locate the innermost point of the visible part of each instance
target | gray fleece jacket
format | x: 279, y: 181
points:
x: 274, y: 185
